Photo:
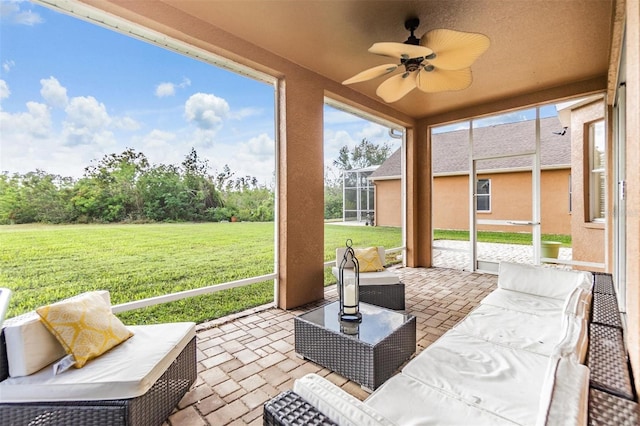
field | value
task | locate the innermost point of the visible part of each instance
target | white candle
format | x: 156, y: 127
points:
x: 349, y: 297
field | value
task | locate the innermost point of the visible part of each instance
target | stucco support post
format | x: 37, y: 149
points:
x: 418, y: 174
x: 300, y: 193
x: 633, y: 184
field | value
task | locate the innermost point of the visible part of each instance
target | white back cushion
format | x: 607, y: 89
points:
x: 30, y: 346
x: 539, y: 280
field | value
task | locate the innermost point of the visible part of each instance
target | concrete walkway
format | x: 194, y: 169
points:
x: 492, y: 252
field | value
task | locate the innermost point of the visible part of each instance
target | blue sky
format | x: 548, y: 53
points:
x: 72, y: 92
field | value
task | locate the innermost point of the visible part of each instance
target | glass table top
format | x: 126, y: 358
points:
x: 377, y: 323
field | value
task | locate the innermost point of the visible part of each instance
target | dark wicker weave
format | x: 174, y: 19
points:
x: 605, y: 310
x: 607, y: 409
x: 366, y: 364
x: 290, y: 409
x: 151, y: 409
x: 607, y: 361
x: 390, y: 296
x: 603, y: 283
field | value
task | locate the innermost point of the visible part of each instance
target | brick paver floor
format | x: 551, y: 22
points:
x: 248, y: 358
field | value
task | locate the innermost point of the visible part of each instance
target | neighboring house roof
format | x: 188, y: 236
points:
x: 390, y: 169
x: 450, y: 149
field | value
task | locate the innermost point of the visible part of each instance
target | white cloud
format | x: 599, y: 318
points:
x: 207, y: 111
x: 245, y: 113
x: 12, y: 11
x: 4, y: 90
x: 23, y: 126
x: 374, y: 132
x: 7, y: 65
x: 169, y: 89
x: 86, y: 122
x: 261, y: 146
x: 158, y: 138
x: 165, y: 89
x: 53, y: 92
x: 125, y: 123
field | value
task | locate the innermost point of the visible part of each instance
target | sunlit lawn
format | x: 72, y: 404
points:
x: 42, y: 264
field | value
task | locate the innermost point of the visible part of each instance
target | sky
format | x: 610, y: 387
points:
x: 72, y: 92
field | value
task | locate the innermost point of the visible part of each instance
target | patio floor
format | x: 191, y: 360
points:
x: 246, y: 359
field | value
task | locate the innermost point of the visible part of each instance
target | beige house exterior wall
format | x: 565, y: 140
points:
x: 508, y: 201
x: 588, y: 238
x: 388, y: 202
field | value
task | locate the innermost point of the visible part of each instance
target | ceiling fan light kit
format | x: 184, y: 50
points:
x: 439, y: 61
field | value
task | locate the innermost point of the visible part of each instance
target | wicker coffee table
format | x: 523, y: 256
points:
x: 367, y: 353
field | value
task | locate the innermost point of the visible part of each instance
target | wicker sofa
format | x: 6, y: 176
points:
x: 518, y: 358
x: 138, y: 382
x: 381, y: 288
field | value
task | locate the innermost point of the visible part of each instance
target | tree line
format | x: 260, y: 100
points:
x: 125, y: 187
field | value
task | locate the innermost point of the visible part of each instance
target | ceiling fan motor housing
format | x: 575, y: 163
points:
x: 411, y: 24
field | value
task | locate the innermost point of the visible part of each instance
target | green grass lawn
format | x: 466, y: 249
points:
x: 45, y: 263
x: 499, y: 237
x: 42, y: 264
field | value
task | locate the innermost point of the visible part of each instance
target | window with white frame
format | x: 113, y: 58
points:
x: 596, y: 167
x: 483, y: 195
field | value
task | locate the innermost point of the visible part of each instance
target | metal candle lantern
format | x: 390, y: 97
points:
x: 349, y: 288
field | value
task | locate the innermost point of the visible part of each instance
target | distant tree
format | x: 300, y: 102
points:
x: 164, y: 194
x: 332, y: 195
x: 200, y: 186
x: 110, y: 187
x: 364, y: 154
x: 35, y: 197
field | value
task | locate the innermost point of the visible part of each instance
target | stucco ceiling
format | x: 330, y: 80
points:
x: 535, y: 44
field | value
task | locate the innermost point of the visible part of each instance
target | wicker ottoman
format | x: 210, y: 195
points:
x: 367, y: 353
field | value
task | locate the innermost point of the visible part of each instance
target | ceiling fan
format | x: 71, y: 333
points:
x: 439, y: 61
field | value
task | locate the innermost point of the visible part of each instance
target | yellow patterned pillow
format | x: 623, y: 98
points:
x: 84, y: 326
x: 369, y: 259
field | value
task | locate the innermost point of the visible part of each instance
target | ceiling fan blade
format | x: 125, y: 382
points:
x: 455, y: 49
x: 394, y: 88
x: 400, y: 50
x: 440, y: 80
x: 371, y: 73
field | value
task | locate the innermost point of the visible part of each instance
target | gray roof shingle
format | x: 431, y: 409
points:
x: 450, y: 149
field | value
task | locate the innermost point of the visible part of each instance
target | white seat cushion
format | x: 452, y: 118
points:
x: 535, y: 333
x: 369, y: 278
x: 127, y: 371
x: 498, y: 379
x: 407, y: 402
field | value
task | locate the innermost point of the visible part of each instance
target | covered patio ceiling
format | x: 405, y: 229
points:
x: 535, y: 45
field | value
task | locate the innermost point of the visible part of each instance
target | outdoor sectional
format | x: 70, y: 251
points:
x: 517, y: 359
x: 138, y: 382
